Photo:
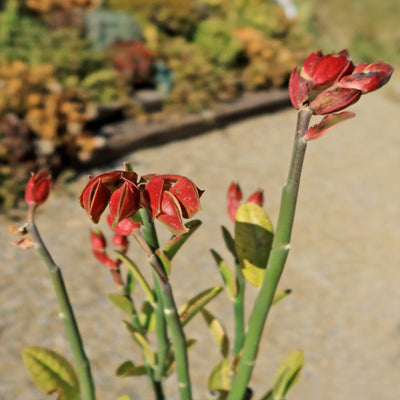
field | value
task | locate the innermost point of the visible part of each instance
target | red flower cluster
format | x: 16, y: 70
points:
x: 341, y: 82
x: 169, y: 198
x: 234, y: 196
x: 330, y: 83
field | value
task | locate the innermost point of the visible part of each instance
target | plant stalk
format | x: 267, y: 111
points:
x: 277, y: 260
x: 66, y: 313
x: 238, y: 310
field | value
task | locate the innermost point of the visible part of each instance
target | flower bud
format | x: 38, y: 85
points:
x: 125, y: 227
x: 234, y: 196
x: 99, y: 244
x: 38, y: 188
x: 257, y: 198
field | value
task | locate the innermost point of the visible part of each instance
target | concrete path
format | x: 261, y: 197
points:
x: 343, y: 267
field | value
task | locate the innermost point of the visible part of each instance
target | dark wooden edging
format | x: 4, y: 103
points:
x: 127, y: 136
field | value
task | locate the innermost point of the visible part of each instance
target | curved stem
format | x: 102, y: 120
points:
x: 277, y: 260
x: 66, y: 313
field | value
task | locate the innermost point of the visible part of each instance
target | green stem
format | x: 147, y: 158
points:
x: 238, y: 310
x: 279, y: 253
x: 149, y: 245
x: 66, y: 313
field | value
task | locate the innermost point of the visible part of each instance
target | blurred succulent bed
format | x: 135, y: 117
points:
x: 64, y: 64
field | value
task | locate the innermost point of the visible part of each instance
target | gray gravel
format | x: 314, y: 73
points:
x: 343, y: 266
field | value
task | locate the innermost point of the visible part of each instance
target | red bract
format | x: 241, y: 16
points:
x: 170, y: 198
x: 257, y: 198
x: 97, y: 193
x: 367, y: 77
x: 322, y: 71
x: 124, y: 202
x: 38, y: 188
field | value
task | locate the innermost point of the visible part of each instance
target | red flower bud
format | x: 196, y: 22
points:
x: 257, y: 198
x: 99, y: 248
x: 234, y: 196
x: 367, y: 77
x: 299, y: 89
x: 38, y: 188
x: 120, y: 242
x: 125, y: 227
x: 124, y: 202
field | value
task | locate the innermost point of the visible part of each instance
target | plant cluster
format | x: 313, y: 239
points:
x: 324, y: 85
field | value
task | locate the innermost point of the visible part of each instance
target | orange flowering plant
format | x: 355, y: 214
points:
x: 324, y: 85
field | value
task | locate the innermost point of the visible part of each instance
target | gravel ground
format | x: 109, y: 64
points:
x: 343, y: 267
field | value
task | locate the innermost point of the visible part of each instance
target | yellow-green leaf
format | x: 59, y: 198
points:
x: 147, y: 317
x: 220, y: 377
x: 128, y: 368
x: 253, y: 241
x: 51, y: 372
x: 227, y: 275
x: 281, y: 294
x: 126, y: 397
x: 170, y: 360
x: 287, y: 374
x: 178, y: 241
x: 142, y: 342
x: 218, y: 332
x: 164, y: 261
x: 196, y: 303
x: 122, y: 302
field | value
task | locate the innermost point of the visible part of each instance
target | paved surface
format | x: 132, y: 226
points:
x: 343, y: 266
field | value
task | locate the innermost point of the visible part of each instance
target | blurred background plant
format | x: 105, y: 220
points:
x: 64, y: 62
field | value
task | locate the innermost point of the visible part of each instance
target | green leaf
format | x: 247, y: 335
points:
x: 218, y: 332
x: 268, y: 396
x: 126, y: 397
x: 178, y: 241
x: 253, y: 241
x: 195, y: 304
x: 128, y: 368
x: 147, y: 317
x: 142, y: 342
x: 227, y: 275
x: 281, y: 294
x: 51, y: 372
x: 164, y: 261
x: 220, y: 377
x: 229, y: 241
x: 287, y: 374
x: 122, y: 302
x: 170, y: 360
x: 138, y: 276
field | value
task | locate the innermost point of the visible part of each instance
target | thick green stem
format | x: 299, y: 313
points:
x: 66, y: 314
x: 276, y: 264
x: 238, y: 309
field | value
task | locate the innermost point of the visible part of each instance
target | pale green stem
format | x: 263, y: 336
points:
x: 66, y: 312
x: 276, y: 264
x: 238, y: 309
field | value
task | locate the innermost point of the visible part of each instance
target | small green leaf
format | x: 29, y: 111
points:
x: 138, y: 276
x: 287, y: 374
x: 229, y: 241
x: 51, y: 372
x: 147, y: 317
x: 281, y: 294
x: 220, y: 377
x: 227, y: 275
x: 164, y: 261
x: 218, y: 332
x: 195, y: 304
x: 126, y: 397
x: 253, y: 241
x: 122, y: 302
x: 178, y: 241
x: 128, y: 368
x: 142, y: 342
